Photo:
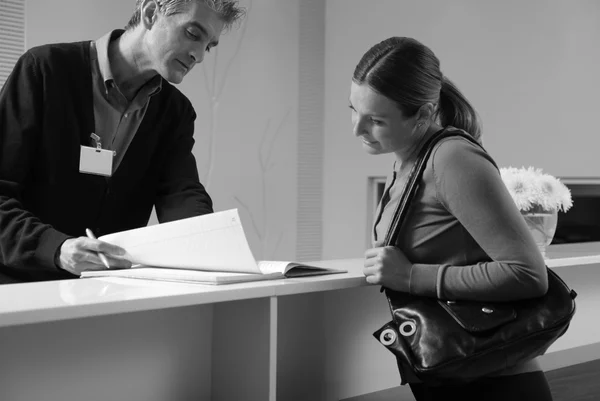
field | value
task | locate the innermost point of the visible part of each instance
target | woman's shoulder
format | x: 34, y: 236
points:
x: 458, y: 151
x: 458, y: 139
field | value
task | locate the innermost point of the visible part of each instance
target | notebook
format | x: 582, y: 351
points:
x: 208, y: 249
x: 270, y: 270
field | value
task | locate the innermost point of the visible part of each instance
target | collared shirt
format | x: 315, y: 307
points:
x: 116, y: 119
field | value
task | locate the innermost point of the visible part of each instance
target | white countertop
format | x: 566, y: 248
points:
x: 69, y: 299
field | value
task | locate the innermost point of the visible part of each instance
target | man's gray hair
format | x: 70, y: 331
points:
x: 228, y: 10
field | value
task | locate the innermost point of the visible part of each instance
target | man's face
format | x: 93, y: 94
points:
x: 177, y: 42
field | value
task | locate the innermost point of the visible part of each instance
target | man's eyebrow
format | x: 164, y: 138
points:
x: 204, y: 32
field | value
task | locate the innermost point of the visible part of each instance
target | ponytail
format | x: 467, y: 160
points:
x: 455, y: 110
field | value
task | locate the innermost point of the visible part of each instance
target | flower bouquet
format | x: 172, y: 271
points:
x: 539, y: 197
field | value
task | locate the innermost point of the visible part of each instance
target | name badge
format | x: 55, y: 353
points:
x: 96, y: 161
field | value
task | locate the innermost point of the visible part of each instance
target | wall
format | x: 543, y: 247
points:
x: 529, y: 68
x: 247, y: 97
x: 248, y: 124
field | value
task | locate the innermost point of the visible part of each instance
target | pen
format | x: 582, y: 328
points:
x: 91, y: 235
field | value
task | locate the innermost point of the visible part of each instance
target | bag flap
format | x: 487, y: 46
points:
x: 478, y: 317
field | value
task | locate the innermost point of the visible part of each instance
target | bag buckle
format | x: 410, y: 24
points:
x: 387, y: 337
x: 407, y: 329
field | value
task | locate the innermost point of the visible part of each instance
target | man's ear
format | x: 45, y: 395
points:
x: 425, y: 112
x: 149, y: 13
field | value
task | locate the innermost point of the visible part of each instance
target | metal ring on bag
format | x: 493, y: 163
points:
x: 387, y: 337
x: 407, y: 329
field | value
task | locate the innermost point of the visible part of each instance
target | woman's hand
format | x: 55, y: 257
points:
x: 389, y: 267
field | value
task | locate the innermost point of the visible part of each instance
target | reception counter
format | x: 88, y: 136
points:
x: 291, y: 339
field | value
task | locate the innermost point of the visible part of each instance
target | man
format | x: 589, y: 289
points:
x: 93, y: 135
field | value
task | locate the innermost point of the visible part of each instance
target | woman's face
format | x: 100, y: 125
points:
x: 379, y: 123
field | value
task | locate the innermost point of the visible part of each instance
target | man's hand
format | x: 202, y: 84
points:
x: 81, y: 254
x: 389, y: 267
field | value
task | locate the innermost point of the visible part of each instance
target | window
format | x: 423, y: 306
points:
x: 12, y: 35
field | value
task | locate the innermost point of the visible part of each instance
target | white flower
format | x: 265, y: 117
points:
x: 532, y: 190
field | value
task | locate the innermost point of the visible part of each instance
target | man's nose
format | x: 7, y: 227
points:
x: 197, y: 56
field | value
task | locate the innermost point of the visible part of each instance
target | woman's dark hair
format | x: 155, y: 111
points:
x: 407, y: 72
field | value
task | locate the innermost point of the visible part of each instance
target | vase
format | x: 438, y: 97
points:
x: 542, y: 226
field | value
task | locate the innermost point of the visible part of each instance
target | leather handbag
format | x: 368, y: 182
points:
x: 453, y: 342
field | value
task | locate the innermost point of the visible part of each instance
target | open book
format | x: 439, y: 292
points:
x: 270, y: 270
x: 209, y: 249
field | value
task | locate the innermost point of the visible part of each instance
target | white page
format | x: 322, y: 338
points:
x: 213, y: 242
x: 272, y: 266
x: 180, y: 275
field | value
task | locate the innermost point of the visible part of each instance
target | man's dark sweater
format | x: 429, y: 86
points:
x: 46, y: 114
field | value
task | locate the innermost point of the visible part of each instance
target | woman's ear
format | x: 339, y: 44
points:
x: 425, y: 113
x: 149, y: 13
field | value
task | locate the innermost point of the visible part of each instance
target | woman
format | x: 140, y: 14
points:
x: 463, y: 238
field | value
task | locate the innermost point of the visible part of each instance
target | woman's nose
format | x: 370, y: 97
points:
x: 359, y: 128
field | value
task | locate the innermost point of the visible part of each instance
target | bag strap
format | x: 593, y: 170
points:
x: 414, y: 180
